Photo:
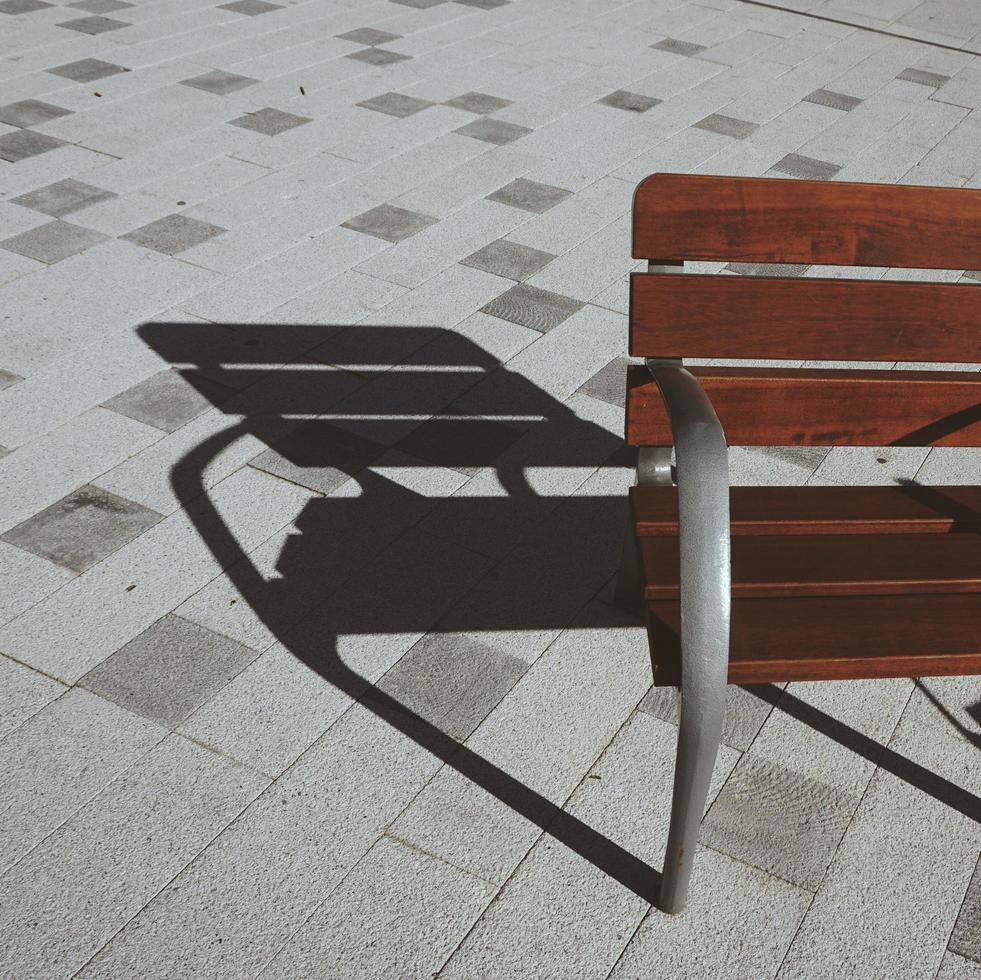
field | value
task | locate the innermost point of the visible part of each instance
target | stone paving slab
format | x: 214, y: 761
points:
x: 312, y: 322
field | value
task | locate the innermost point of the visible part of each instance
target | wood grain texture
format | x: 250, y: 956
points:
x: 754, y: 219
x: 774, y: 407
x: 827, y: 319
x: 775, y: 640
x: 910, y: 509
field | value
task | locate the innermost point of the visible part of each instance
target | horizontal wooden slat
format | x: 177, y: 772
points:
x: 774, y: 640
x: 830, y: 565
x: 754, y: 219
x: 827, y: 319
x: 910, y: 509
x: 773, y: 407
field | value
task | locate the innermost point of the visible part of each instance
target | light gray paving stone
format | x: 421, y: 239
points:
x: 54, y: 241
x: 94, y: 24
x: 20, y: 144
x: 174, y: 234
x: 674, y: 46
x: 368, y: 35
x: 63, y: 197
x: 23, y: 693
x: 82, y: 528
x: 269, y: 121
x: 478, y: 102
x: 399, y: 911
x: 87, y: 70
x: 532, y: 307
x: 80, y: 886
x: 27, y: 579
x: 396, y: 104
x: 727, y: 126
x: 169, y: 399
x: 796, y: 165
x: 954, y: 967
x: 508, y: 259
x: 219, y: 82
x: 965, y: 940
x: 30, y: 112
x: 168, y: 671
x: 251, y: 8
x: 495, y: 131
x: 59, y: 759
x: 529, y: 195
x: 390, y: 223
x: 929, y: 78
x: 851, y: 465
x: 378, y: 56
x: 466, y: 445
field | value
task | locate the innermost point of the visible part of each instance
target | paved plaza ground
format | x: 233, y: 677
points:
x: 312, y: 346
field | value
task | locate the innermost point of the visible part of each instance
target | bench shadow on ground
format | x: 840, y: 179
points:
x: 425, y: 397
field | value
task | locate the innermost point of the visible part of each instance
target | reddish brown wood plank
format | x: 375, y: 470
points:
x: 827, y: 319
x: 910, y: 509
x: 753, y: 219
x: 773, y: 407
x: 775, y: 640
x: 830, y: 565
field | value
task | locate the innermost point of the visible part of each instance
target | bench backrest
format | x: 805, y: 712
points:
x: 678, y: 217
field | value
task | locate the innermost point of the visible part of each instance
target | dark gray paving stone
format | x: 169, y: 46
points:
x: 609, y: 384
x: 483, y: 4
x: 82, y: 528
x: 22, y: 6
x: 269, y: 122
x: 745, y: 713
x: 532, y: 307
x: 419, y: 4
x: 973, y: 274
x: 219, y: 82
x: 778, y: 821
x: 251, y: 8
x: 100, y: 6
x: 169, y: 670
x: 630, y: 101
x: 26, y: 143
x: 466, y: 445
x: 377, y: 56
x: 833, y: 100
x: 452, y: 680
x: 318, y: 456
x: 368, y: 35
x: 93, y: 25
x: 675, y: 46
x: 53, y: 242
x: 766, y: 269
x: 63, y: 197
x: 395, y: 104
x: 8, y: 378
x: 508, y: 259
x: 478, y: 102
x: 806, y: 167
x: 389, y: 222
x: 529, y: 195
x: 168, y: 399
x: 738, y: 129
x: 495, y: 131
x: 86, y: 70
x: 4, y: 451
x: 966, y: 937
x: 173, y: 234
x: 30, y: 112
x: 921, y: 77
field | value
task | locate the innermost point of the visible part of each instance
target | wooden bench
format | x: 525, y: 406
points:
x: 770, y: 584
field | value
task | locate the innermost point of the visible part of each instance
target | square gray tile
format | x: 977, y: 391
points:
x: 466, y: 445
x: 173, y: 234
x: 82, y: 528
x: 93, y: 25
x: 219, y: 82
x: 318, y: 456
x: 495, y: 131
x: 452, y: 680
x: 269, y: 122
x: 609, y: 384
x: 395, y: 104
x: 8, y: 378
x: 26, y: 143
x: 63, y: 197
x: 508, y: 259
x: 251, y: 8
x: 672, y: 44
x: 389, y: 222
x: 921, y: 77
x: 53, y: 242
x: 169, y: 670
x: 419, y: 4
x: 630, y: 101
x: 966, y: 937
x: 168, y: 399
x: 483, y: 4
x: 738, y: 129
x: 368, y: 35
x: 806, y: 168
x: 833, y: 100
x: 377, y: 56
x: 22, y: 6
x: 30, y: 112
x: 778, y: 821
x: 478, y: 103
x: 529, y: 195
x: 100, y: 6
x: 86, y: 70
x: 532, y: 307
